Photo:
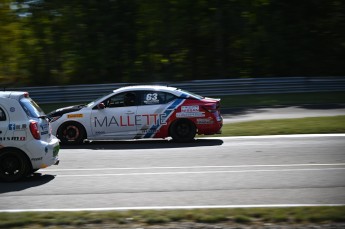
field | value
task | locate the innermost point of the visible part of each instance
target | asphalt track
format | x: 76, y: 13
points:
x: 294, y: 170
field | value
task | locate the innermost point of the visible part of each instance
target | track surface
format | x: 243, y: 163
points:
x: 270, y: 170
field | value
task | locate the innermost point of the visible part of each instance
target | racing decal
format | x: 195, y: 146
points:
x: 136, y: 120
x: 151, y: 98
x: 37, y: 159
x: 12, y: 109
x: 168, y: 112
x: 12, y: 138
x: 44, y: 128
x: 204, y: 121
x: 190, y: 108
x: 190, y: 112
x: 13, y: 126
x: 75, y: 116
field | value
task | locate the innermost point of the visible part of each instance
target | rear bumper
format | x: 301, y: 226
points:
x: 44, y: 154
x: 212, y: 128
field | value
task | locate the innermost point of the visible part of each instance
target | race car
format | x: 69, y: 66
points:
x: 26, y: 142
x: 137, y: 112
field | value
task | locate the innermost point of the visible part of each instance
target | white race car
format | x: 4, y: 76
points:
x: 26, y: 142
x: 139, y: 112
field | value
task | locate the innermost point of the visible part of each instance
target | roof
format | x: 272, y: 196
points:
x: 12, y: 94
x: 146, y: 87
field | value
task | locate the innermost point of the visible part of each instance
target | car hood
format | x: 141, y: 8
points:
x: 65, y: 110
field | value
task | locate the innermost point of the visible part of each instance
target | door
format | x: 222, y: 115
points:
x: 117, y: 119
x: 153, y: 112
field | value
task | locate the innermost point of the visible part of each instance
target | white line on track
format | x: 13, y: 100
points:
x: 198, y: 172
x: 172, y: 207
x: 279, y: 136
x: 197, y: 167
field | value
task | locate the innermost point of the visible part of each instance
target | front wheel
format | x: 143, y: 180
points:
x: 13, y: 165
x: 71, y: 133
x: 183, y: 130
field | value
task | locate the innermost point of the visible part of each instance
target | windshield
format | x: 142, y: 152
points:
x: 31, y: 108
x: 93, y: 102
x: 191, y: 94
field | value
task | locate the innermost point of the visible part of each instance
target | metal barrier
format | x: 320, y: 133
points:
x: 219, y: 87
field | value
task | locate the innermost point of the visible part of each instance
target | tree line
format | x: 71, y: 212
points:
x: 56, y: 42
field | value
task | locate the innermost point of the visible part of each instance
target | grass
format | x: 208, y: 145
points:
x: 247, y: 216
x: 314, y: 125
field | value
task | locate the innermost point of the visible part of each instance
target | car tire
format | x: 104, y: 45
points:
x: 71, y: 133
x: 183, y: 130
x: 14, y: 165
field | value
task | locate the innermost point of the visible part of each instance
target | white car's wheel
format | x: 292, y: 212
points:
x: 13, y: 165
x: 71, y: 133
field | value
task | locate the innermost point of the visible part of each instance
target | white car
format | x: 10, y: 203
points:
x: 139, y: 112
x: 26, y: 142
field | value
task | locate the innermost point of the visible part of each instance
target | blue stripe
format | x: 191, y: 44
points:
x: 167, y: 113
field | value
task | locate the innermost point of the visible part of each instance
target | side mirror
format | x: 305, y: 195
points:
x: 101, y: 106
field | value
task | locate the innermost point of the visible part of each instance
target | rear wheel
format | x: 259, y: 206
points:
x: 13, y: 165
x: 71, y: 133
x: 183, y: 130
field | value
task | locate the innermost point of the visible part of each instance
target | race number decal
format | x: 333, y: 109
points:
x: 151, y: 98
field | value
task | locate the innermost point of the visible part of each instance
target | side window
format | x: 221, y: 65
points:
x: 156, y: 97
x: 2, y: 115
x: 121, y: 100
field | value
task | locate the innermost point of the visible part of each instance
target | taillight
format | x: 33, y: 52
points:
x: 211, y: 108
x: 34, y: 130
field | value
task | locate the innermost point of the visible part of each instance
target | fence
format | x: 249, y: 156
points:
x: 219, y: 87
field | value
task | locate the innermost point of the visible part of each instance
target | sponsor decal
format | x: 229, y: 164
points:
x: 204, y: 121
x: 12, y: 138
x: 13, y: 126
x: 75, y: 116
x: 99, y: 132
x: 147, y: 131
x: 190, y: 114
x: 37, y: 159
x: 190, y: 108
x: 12, y: 109
x: 136, y: 120
x: 44, y: 128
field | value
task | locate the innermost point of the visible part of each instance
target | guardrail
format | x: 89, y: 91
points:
x: 219, y: 87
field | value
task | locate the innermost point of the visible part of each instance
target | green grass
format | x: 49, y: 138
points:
x: 248, y: 216
x: 255, y: 100
x: 314, y: 125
